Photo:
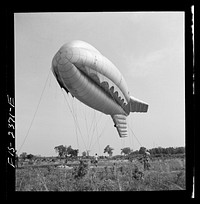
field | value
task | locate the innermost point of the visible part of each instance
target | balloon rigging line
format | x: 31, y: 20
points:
x: 87, y: 127
x: 93, y: 125
x: 94, y: 114
x: 75, y: 119
x: 86, y: 123
x: 96, y: 128
x: 97, y: 138
x: 35, y: 111
x: 130, y: 140
x: 134, y: 135
x: 74, y: 112
x: 100, y: 135
x: 122, y: 143
x: 93, y: 121
x: 131, y: 136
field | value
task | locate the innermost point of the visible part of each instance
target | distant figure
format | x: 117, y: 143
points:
x: 66, y: 160
x: 146, y: 160
x: 96, y: 159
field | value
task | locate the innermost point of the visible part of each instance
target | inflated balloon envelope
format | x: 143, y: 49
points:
x: 94, y: 80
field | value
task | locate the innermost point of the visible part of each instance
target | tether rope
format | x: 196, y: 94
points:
x: 134, y: 135
x: 100, y: 135
x: 35, y: 112
x: 75, y: 119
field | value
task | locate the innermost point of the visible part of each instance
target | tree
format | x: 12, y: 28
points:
x: 132, y: 155
x: 84, y: 154
x: 142, y: 150
x: 75, y: 153
x: 23, y: 155
x: 61, y: 150
x: 87, y: 153
x: 30, y: 156
x: 159, y: 150
x: 179, y: 150
x: 71, y: 152
x: 108, y: 150
x: 126, y: 150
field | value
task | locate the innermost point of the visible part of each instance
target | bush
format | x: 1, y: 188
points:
x: 81, y: 170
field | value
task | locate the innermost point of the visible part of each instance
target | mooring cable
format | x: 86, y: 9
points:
x: 35, y: 112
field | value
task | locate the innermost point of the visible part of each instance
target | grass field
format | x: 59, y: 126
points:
x: 109, y: 175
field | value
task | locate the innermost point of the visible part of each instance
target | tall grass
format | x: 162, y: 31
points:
x: 127, y: 176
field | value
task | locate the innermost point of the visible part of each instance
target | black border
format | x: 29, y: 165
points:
x: 189, y: 100
x: 9, y: 92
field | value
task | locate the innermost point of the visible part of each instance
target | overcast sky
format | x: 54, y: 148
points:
x: 147, y: 48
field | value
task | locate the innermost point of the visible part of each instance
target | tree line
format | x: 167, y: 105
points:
x: 68, y: 151
x: 154, y: 151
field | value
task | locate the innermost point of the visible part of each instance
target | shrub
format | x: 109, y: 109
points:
x: 81, y: 170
